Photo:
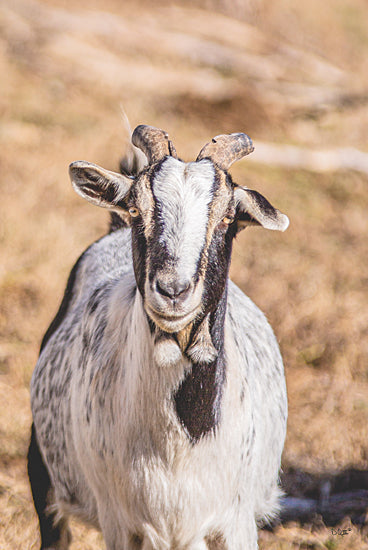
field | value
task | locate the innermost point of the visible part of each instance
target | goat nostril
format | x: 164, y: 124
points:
x: 162, y: 288
x: 183, y: 289
x: 173, y: 289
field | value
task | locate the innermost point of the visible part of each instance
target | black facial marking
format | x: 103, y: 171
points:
x: 140, y: 246
x: 139, y: 251
x: 219, y: 255
x: 159, y: 255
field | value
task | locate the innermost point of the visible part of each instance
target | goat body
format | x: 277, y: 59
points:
x: 159, y: 446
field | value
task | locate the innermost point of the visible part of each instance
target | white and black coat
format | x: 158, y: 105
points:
x: 159, y: 398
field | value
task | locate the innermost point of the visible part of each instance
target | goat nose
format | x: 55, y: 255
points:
x: 173, y: 289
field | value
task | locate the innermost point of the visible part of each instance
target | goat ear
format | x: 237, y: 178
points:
x: 99, y: 186
x: 254, y: 209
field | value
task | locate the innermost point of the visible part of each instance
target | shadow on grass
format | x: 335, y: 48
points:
x: 328, y: 497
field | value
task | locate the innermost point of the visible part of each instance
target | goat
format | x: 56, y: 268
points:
x: 159, y: 401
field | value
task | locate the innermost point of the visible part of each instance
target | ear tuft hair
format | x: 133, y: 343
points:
x: 99, y: 186
x: 254, y: 209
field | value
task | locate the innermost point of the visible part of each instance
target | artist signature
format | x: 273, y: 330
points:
x: 341, y: 532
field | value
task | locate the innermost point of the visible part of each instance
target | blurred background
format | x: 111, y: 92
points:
x: 294, y: 76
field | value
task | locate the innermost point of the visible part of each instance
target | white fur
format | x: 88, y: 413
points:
x: 184, y: 193
x: 167, y: 353
x: 113, y: 444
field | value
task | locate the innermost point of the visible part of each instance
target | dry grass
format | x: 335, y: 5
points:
x: 282, y: 71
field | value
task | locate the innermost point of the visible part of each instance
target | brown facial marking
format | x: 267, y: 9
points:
x: 145, y: 203
x: 184, y: 337
x: 218, y: 209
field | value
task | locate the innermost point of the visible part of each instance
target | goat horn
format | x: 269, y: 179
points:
x: 225, y: 149
x: 154, y: 143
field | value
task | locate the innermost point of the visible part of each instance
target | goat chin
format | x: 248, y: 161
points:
x: 171, y: 323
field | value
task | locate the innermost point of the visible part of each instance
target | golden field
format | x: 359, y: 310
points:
x: 286, y: 73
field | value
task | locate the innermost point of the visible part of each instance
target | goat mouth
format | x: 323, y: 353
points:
x: 171, y: 323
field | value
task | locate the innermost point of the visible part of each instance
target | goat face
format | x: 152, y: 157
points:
x: 183, y: 218
x: 181, y: 239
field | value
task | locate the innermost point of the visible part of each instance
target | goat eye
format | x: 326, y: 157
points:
x: 227, y: 220
x: 134, y: 212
